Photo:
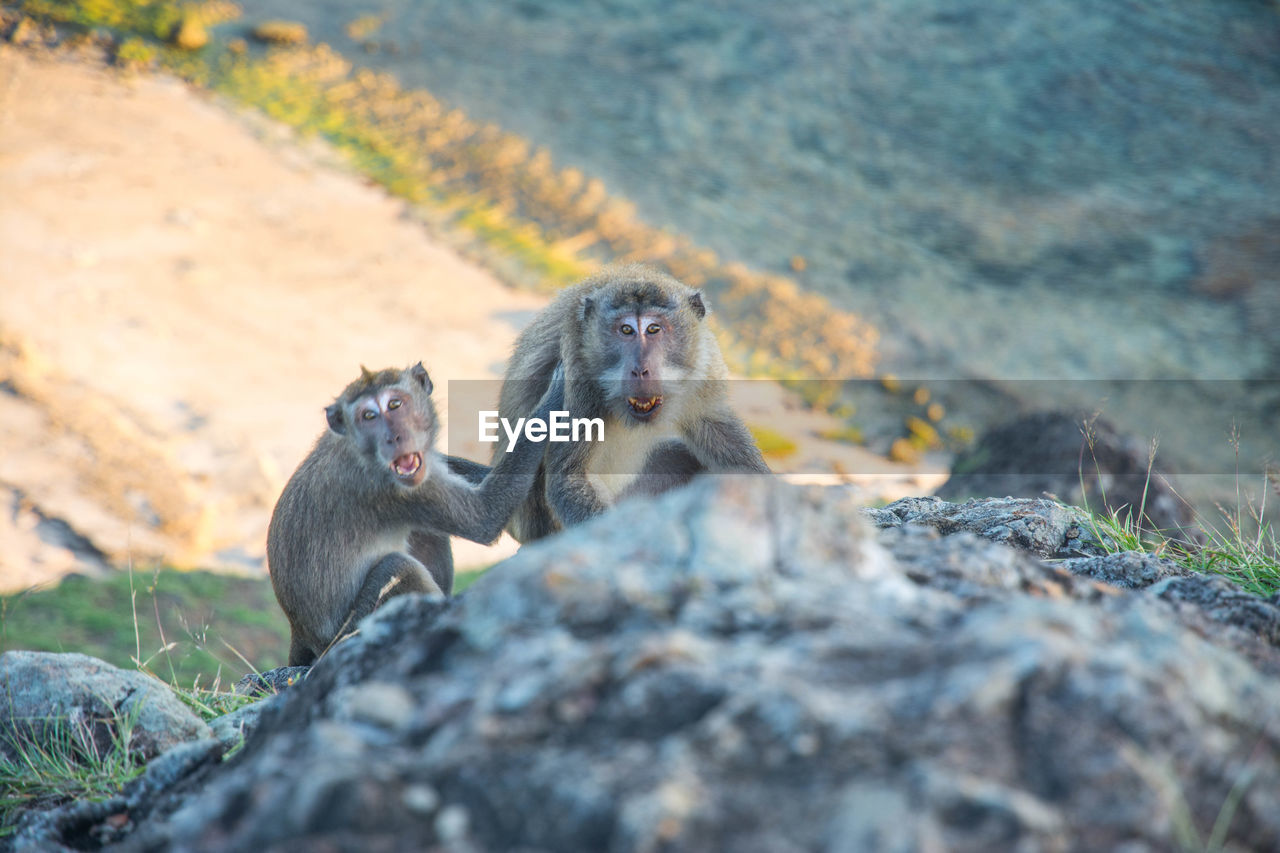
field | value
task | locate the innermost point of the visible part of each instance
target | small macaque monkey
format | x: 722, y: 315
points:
x: 369, y: 512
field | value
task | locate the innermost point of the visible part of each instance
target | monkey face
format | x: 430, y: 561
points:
x: 641, y: 375
x: 392, y: 422
x: 642, y: 336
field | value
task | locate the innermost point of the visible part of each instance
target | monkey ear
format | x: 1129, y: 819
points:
x: 333, y: 414
x: 419, y: 373
x: 587, y: 306
x: 699, y: 307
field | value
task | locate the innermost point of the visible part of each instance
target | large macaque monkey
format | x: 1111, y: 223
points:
x: 369, y: 512
x: 637, y: 353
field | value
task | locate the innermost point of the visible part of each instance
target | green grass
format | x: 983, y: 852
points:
x: 198, y: 632
x: 64, y: 763
x: 193, y: 630
x: 1241, y: 544
x: 462, y: 580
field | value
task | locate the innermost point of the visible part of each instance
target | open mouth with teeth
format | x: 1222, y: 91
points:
x: 408, y: 467
x: 642, y: 407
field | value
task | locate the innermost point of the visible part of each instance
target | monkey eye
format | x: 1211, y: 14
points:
x: 393, y: 404
x: 368, y: 414
x: 653, y: 329
x: 627, y: 329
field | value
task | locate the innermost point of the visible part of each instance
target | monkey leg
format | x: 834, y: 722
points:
x: 300, y: 652
x: 669, y: 466
x: 436, y: 554
x: 395, y: 574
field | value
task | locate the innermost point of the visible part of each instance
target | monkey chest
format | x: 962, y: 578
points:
x: 615, y: 463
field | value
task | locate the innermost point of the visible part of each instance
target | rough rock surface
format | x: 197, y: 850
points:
x: 762, y: 670
x: 272, y: 681
x: 230, y: 729
x: 1044, y: 527
x: 75, y: 690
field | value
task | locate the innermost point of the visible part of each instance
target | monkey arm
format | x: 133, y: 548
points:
x: 450, y: 504
x: 473, y: 472
x: 723, y: 444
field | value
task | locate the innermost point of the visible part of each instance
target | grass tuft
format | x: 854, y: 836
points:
x: 64, y: 763
x: 1241, y: 545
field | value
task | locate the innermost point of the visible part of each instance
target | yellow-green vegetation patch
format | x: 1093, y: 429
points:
x: 136, y: 53
x: 848, y: 434
x: 188, y: 628
x: 361, y: 28
x: 280, y: 32
x: 156, y: 19
x: 771, y: 442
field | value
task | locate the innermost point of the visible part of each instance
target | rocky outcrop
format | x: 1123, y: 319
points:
x: 1043, y: 527
x: 40, y: 690
x: 748, y: 665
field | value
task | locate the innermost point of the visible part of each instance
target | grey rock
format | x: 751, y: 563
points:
x: 43, y: 689
x: 230, y: 729
x: 42, y: 831
x: 761, y: 671
x: 1044, y: 527
x: 1226, y: 603
x: 1126, y: 569
x: 271, y: 681
x: 975, y: 568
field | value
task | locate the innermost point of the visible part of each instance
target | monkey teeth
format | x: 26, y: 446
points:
x: 645, y: 406
x: 407, y: 465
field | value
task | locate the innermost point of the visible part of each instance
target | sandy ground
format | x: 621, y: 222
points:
x: 182, y: 289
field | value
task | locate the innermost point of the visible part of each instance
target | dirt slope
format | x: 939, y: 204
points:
x: 182, y: 289
x: 179, y: 300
